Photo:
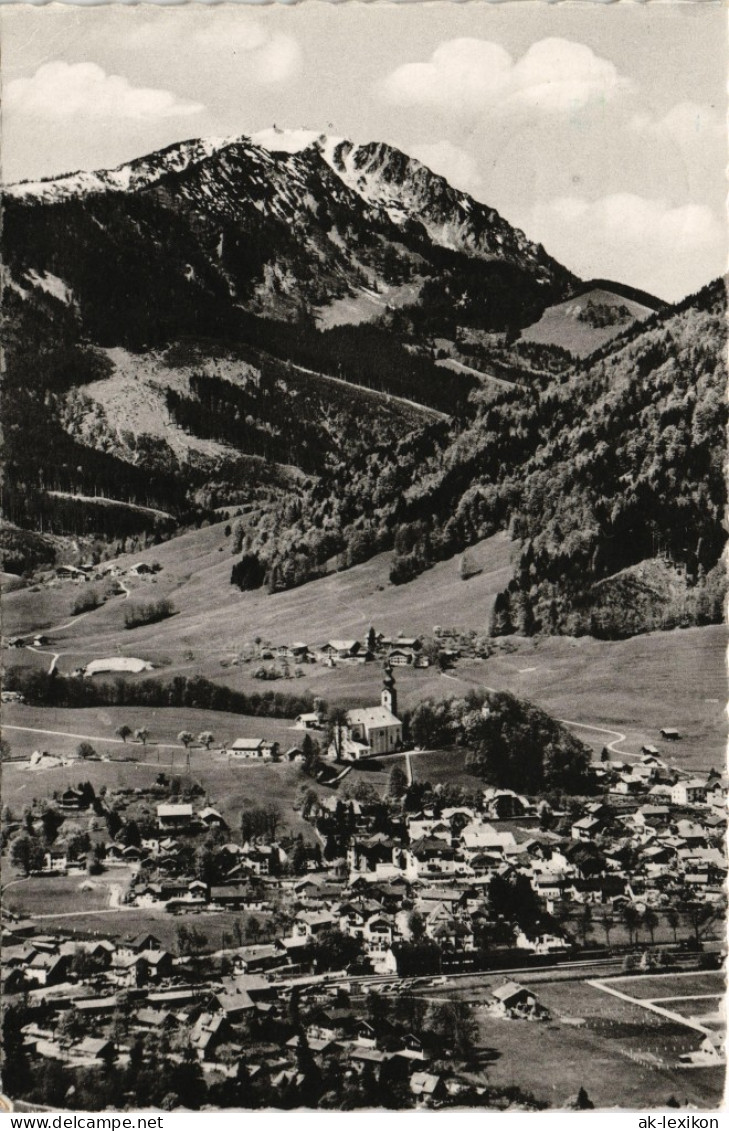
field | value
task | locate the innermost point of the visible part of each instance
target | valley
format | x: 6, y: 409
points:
x: 363, y: 645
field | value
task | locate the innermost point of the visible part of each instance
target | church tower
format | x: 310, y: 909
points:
x: 388, y: 698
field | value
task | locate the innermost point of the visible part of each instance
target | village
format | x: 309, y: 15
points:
x: 327, y: 974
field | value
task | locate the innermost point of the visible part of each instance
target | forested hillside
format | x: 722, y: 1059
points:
x: 619, y: 462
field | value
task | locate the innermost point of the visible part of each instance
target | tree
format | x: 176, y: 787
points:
x: 608, y: 922
x: 631, y: 918
x: 585, y: 922
x: 16, y: 1073
x: 274, y: 816
x: 141, y: 734
x: 85, y: 750
x: 699, y: 916
x: 673, y: 919
x: 206, y: 739
x: 455, y: 1024
x: 124, y: 732
x: 583, y: 1101
x: 186, y: 738
x: 26, y: 853
x: 416, y: 926
x: 397, y: 783
x: 51, y: 820
x: 337, y: 723
x: 300, y: 858
x: 650, y: 922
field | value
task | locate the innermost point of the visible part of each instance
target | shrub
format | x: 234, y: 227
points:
x: 150, y: 613
x: 85, y: 601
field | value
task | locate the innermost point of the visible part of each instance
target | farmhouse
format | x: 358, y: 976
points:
x: 342, y: 649
x: 670, y: 733
x: 511, y: 999
x: 309, y: 721
x: 245, y: 749
x: 174, y: 816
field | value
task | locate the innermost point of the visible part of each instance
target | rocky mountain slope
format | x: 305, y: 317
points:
x: 181, y: 240
x: 207, y: 287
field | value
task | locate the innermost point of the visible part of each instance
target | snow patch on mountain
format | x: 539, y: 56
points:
x: 51, y: 284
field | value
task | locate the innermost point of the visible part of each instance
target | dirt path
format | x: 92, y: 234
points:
x: 677, y: 1018
x: 94, y: 738
x: 617, y: 736
x: 425, y: 409
x: 40, y: 652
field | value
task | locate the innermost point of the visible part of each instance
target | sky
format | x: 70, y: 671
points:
x: 597, y: 129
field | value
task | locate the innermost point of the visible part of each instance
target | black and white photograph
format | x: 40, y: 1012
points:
x: 364, y: 584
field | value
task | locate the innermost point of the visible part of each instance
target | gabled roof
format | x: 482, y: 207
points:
x: 372, y: 717
x: 177, y: 810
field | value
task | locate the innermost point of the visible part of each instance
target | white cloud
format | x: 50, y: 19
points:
x: 471, y: 75
x: 458, y: 167
x: 83, y: 90
x: 647, y: 242
x: 686, y: 123
x: 561, y: 75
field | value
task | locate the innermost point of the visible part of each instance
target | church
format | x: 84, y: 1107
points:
x: 373, y: 730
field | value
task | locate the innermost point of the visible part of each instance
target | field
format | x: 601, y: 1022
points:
x: 66, y: 895
x: 633, y: 687
x: 229, y: 785
x: 214, y: 619
x: 628, y: 688
x: 127, y: 922
x: 655, y: 987
x: 593, y: 1040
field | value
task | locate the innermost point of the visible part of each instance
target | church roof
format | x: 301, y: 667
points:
x: 372, y: 717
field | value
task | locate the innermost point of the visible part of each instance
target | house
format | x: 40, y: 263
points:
x: 296, y: 651
x: 401, y: 657
x: 512, y: 999
x: 55, y: 861
x: 670, y: 733
x: 230, y: 895
x: 211, y: 818
x: 139, y: 569
x: 209, y: 1031
x: 93, y: 1048
x: 711, y: 1051
x: 71, y: 571
x: 691, y: 792
x: 342, y: 649
x: 74, y: 799
x: 252, y: 749
x: 585, y: 829
x: 501, y: 804
x: 141, y: 942
x: 129, y: 971
x: 309, y: 721
x: 174, y: 816
x: 156, y: 1020
x: 377, y: 936
x: 48, y: 969
x: 309, y: 924
x: 426, y: 1086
